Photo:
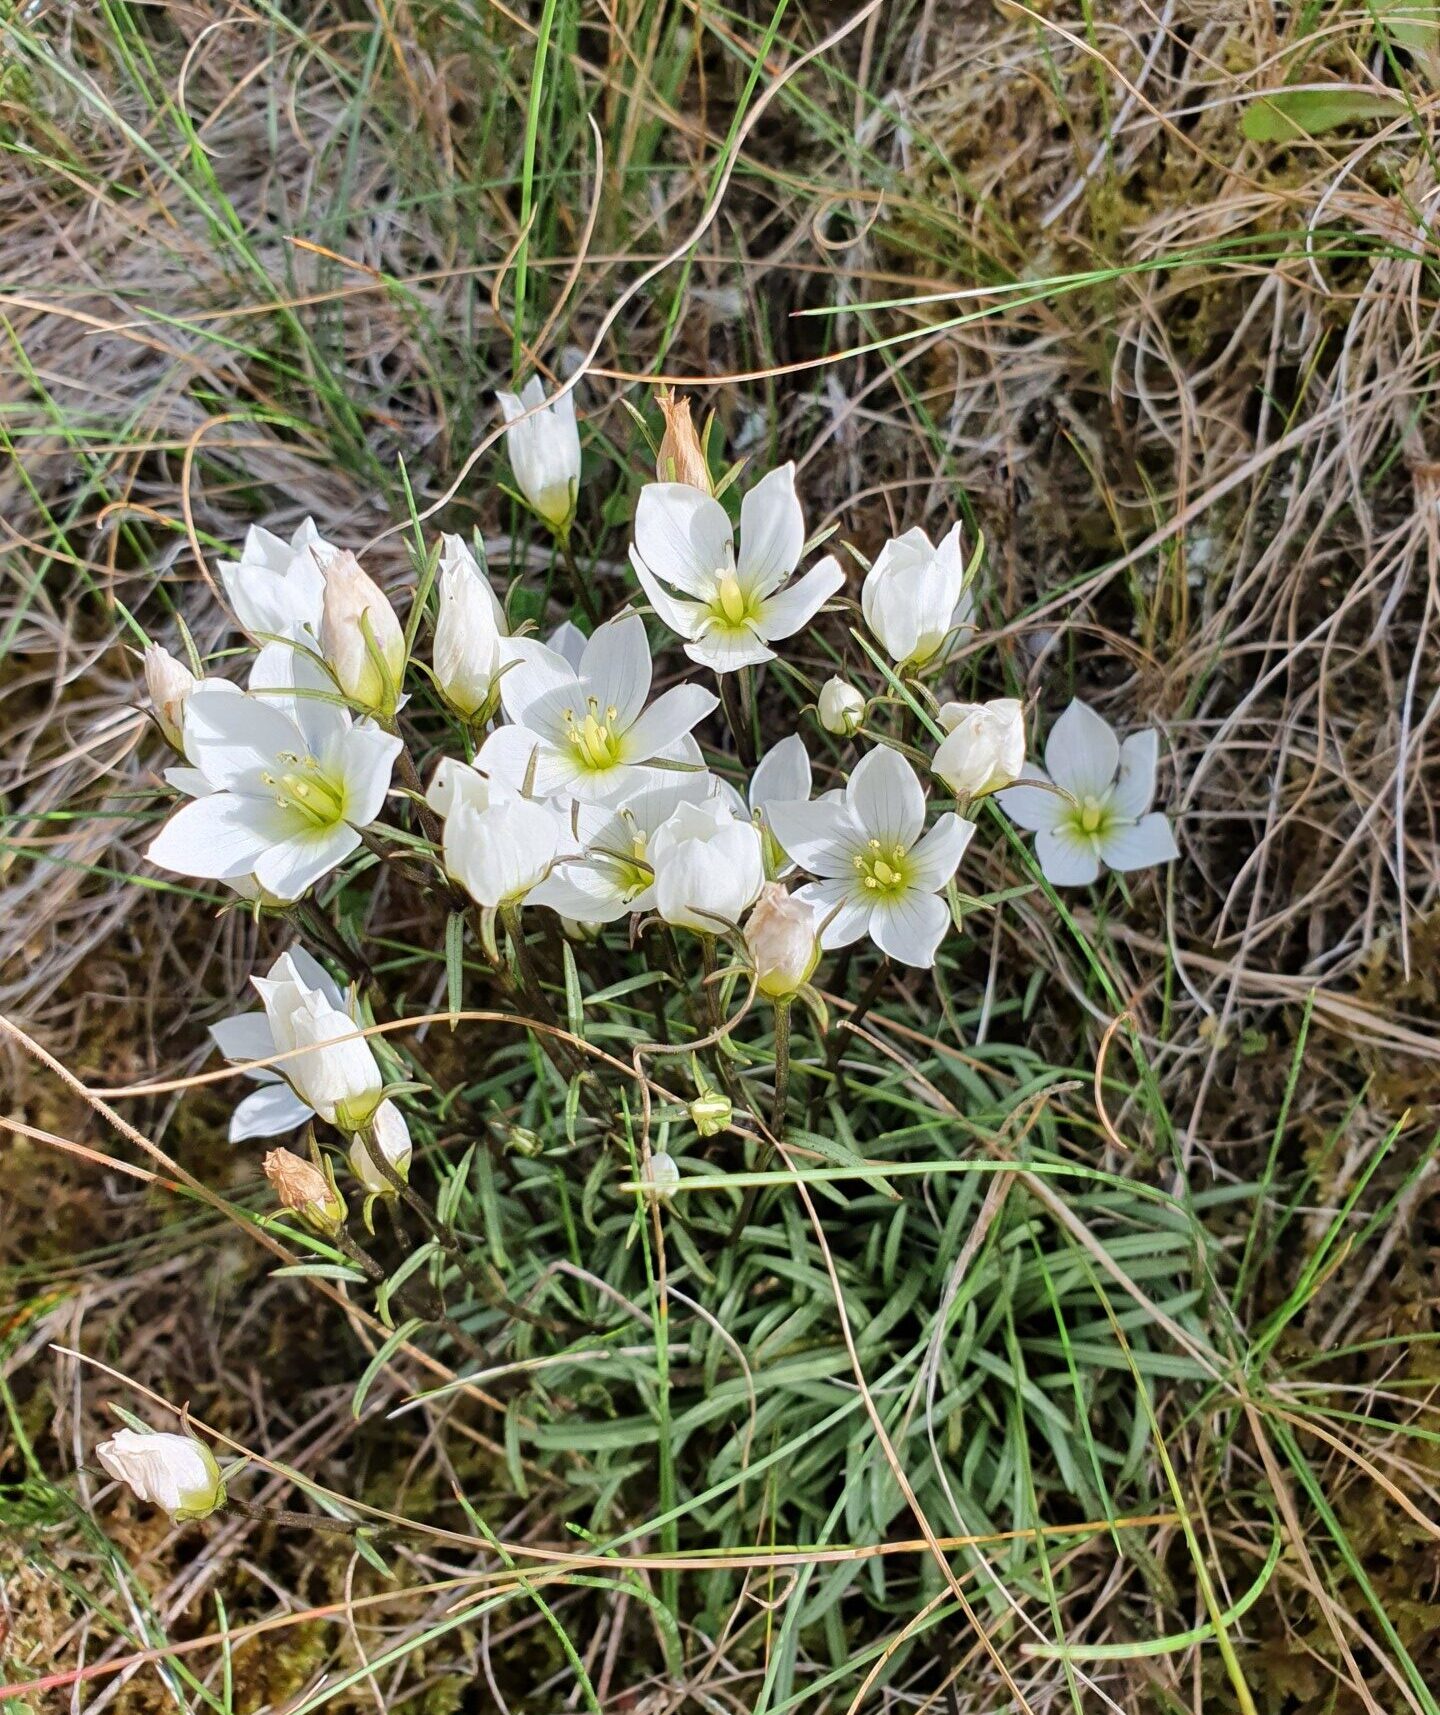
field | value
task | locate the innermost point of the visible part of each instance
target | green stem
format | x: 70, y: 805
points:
x: 579, y: 583
x: 730, y: 698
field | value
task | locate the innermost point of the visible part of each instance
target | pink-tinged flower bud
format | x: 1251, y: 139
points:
x: 168, y: 683
x: 984, y: 749
x: 681, y: 457
x: 783, y: 944
x: 360, y: 636
x: 174, y: 1472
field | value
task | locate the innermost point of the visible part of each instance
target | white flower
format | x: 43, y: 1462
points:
x: 782, y: 775
x: 368, y: 669
x: 782, y: 936
x: 708, y: 866
x: 612, y: 876
x: 914, y: 597
x: 497, y: 844
x: 841, y: 708
x: 276, y: 587
x: 389, y: 1134
x: 544, y: 451
x: 168, y: 684
x: 336, y: 1075
x: 878, y: 875
x: 587, y: 732
x: 662, y: 1175
x: 174, y: 1472
x: 470, y: 633
x: 281, y: 782
x: 729, y: 611
x: 984, y: 747
x: 1101, y: 812
x: 274, y: 1108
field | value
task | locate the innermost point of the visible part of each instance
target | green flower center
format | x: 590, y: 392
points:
x: 731, y: 605
x: 593, y: 739
x: 305, y: 788
x: 883, y: 870
x: 1091, y: 817
x: 629, y: 872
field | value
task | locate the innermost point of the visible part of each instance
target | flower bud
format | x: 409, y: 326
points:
x: 681, y: 457
x: 337, y: 1074
x: 524, y: 1142
x: 711, y: 1112
x: 469, y: 628
x: 168, y: 683
x: 360, y: 637
x: 544, y: 447
x: 174, y: 1472
x: 305, y: 1191
x: 387, y: 1134
x: 984, y: 749
x: 662, y: 1175
x: 782, y: 942
x: 842, y: 708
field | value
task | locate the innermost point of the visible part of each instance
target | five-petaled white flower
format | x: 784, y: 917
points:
x: 586, y: 731
x: 281, y: 779
x: 544, y: 447
x: 1101, y: 812
x: 729, y: 610
x: 709, y: 867
x: 879, y: 873
x: 914, y: 597
x: 176, y: 1473
x: 277, y: 588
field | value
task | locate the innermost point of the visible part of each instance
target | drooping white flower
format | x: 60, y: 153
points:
x: 879, y: 873
x: 168, y: 684
x: 336, y: 1073
x: 984, y: 746
x: 782, y: 936
x: 282, y: 780
x: 389, y: 1134
x: 277, y: 588
x: 470, y: 633
x: 728, y: 609
x: 709, y: 867
x: 1101, y: 812
x: 841, y: 708
x: 587, y: 732
x: 176, y: 1473
x: 544, y: 449
x: 914, y: 597
x: 360, y: 636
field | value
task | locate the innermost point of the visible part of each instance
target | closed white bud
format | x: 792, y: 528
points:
x: 360, y: 636
x: 662, y: 1175
x: 469, y: 629
x: 174, y: 1472
x: 984, y: 749
x: 168, y: 684
x: 709, y: 866
x: 711, y: 1112
x: 544, y: 447
x: 388, y: 1135
x: 782, y: 941
x: 499, y: 853
x: 914, y: 598
x: 842, y: 708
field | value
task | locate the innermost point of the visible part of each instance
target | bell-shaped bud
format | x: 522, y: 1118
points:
x: 168, y: 684
x: 681, y: 457
x: 784, y: 947
x: 304, y: 1190
x: 661, y: 1176
x: 710, y: 1112
x: 388, y: 1135
x: 544, y: 447
x: 984, y: 746
x: 360, y: 636
x: 174, y: 1472
x: 841, y: 708
x: 470, y: 631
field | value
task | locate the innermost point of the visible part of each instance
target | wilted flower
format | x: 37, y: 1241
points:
x: 681, y: 457
x: 1101, y: 812
x: 277, y: 588
x: 336, y: 1074
x: 914, y: 597
x: 360, y: 636
x: 729, y: 611
x: 879, y: 872
x: 841, y: 708
x: 711, y: 1112
x: 544, y: 449
x: 304, y: 1190
x: 168, y: 684
x: 281, y: 783
x: 174, y: 1472
x: 709, y: 867
x: 390, y: 1136
x: 782, y: 939
x: 984, y: 747
x: 470, y: 634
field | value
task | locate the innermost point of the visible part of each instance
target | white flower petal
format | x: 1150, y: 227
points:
x: 839, y: 901
x: 219, y: 836
x: 728, y: 651
x: 772, y: 533
x: 685, y: 618
x: 1033, y: 806
x: 366, y: 757
x: 505, y: 758
x: 568, y: 641
x: 292, y: 867
x: 233, y: 738
x: 288, y: 680
x: 1135, y: 788
x: 683, y: 536
x: 268, y: 1112
x: 935, y: 857
x: 910, y: 926
x: 822, y: 837
x: 783, y: 773
x: 1067, y: 858
x: 1082, y: 753
x: 1138, y: 845
x: 787, y: 610
x: 886, y: 798
x: 534, y: 669
x: 617, y: 668
x: 669, y: 717
x: 245, y: 1036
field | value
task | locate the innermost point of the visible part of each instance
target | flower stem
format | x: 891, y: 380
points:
x: 579, y: 583
x: 782, y: 1069
x: 730, y: 697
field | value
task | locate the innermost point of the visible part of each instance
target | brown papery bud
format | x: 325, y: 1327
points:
x: 681, y: 457
x: 303, y: 1189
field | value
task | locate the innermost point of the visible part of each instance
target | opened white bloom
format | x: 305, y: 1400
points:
x: 174, y: 1472
x: 841, y: 708
x: 586, y: 731
x: 782, y: 936
x: 544, y: 451
x: 709, y: 867
x: 360, y: 636
x: 390, y: 1135
x: 277, y: 588
x: 282, y: 780
x: 914, y: 597
x: 470, y: 634
x: 1101, y: 812
x: 168, y: 684
x: 729, y: 610
x: 984, y: 747
x: 880, y: 873
x: 336, y: 1075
